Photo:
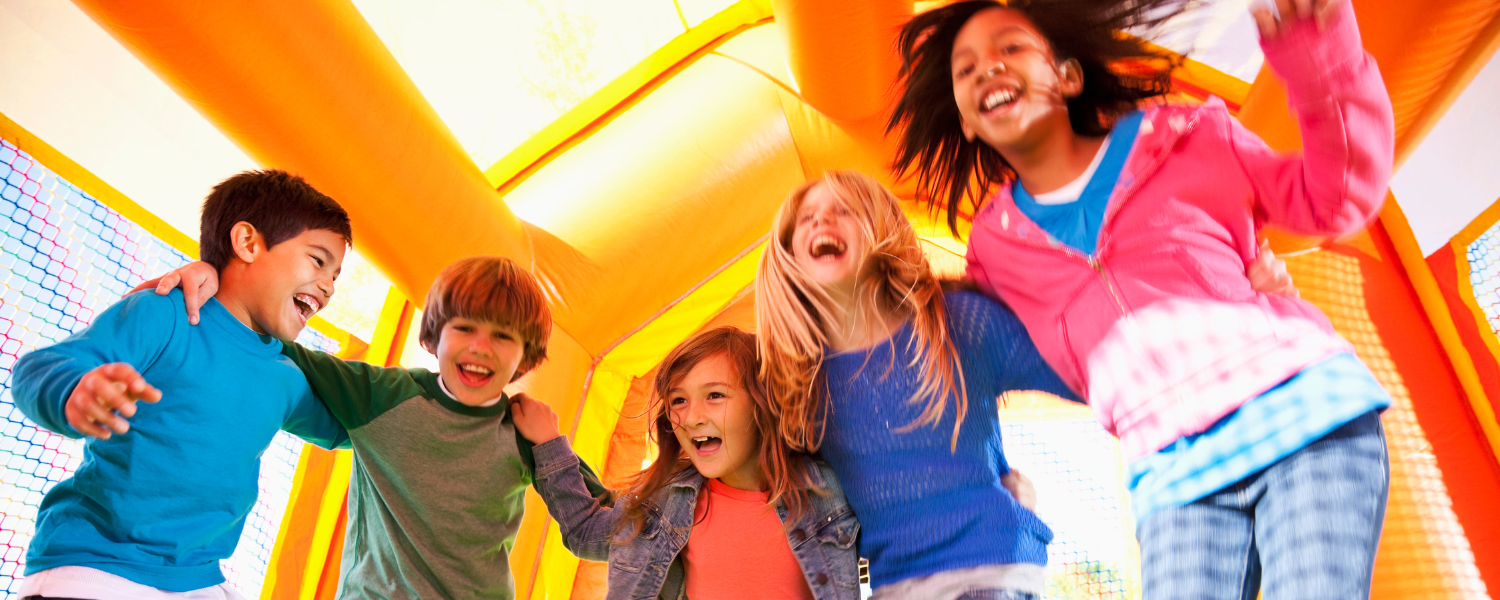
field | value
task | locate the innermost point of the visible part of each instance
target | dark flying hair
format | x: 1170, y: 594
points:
x: 278, y: 204
x: 1119, y: 71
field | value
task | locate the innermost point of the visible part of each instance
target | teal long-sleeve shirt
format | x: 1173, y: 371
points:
x: 162, y: 504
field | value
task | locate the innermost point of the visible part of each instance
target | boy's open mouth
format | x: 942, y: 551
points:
x: 998, y: 99
x: 474, y: 375
x: 307, y: 305
x: 707, y: 444
x: 826, y: 246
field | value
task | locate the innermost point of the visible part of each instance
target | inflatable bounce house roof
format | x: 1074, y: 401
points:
x: 632, y: 153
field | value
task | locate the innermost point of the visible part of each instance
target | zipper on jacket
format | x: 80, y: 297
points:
x: 1098, y: 266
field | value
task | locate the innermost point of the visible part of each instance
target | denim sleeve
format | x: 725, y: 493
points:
x: 587, y: 525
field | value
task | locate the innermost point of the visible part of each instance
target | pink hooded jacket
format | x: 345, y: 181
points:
x: 1160, y: 330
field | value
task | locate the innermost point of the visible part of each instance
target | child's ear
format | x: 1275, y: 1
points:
x: 246, y: 241
x: 968, y: 131
x: 1070, y: 78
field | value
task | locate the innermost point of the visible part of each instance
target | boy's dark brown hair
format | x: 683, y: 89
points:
x: 787, y: 471
x: 1119, y: 71
x: 493, y: 289
x: 279, y: 204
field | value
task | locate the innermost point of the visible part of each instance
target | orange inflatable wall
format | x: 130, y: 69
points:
x: 686, y: 219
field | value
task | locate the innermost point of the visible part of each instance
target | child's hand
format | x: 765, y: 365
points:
x: 199, y: 282
x: 101, y: 394
x: 1273, y: 23
x: 533, y: 418
x: 1020, y: 487
x: 1268, y: 274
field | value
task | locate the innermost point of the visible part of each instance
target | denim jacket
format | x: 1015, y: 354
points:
x: 649, y: 567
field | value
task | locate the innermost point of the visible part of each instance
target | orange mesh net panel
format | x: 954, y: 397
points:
x: 1423, y: 551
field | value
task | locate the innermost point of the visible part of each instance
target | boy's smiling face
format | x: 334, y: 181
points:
x: 477, y: 359
x: 287, y: 284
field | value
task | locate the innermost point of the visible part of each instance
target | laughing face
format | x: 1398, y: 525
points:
x: 827, y: 241
x: 1010, y: 89
x: 477, y: 358
x: 714, y: 420
x: 292, y: 281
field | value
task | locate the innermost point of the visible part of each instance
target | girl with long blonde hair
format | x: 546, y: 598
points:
x: 894, y: 380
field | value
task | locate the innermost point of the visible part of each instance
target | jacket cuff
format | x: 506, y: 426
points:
x: 1303, y: 56
x: 553, y: 456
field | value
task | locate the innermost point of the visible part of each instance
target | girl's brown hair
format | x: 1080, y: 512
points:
x: 787, y: 472
x: 1119, y: 71
x: 893, y: 279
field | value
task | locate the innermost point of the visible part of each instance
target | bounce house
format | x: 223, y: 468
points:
x: 631, y: 153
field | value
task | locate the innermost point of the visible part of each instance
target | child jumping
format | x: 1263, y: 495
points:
x: 727, y: 510
x: 440, y: 470
x: 1120, y: 234
x: 163, y: 491
x: 878, y: 368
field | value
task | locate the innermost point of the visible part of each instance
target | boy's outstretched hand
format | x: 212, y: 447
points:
x: 199, y: 282
x: 1273, y: 23
x: 105, y: 397
x: 1020, y: 487
x: 533, y: 418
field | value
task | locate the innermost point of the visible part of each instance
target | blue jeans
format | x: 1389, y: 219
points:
x: 1305, y: 527
x: 998, y: 595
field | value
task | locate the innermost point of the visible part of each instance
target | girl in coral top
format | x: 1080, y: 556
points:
x: 727, y: 511
x: 1120, y: 233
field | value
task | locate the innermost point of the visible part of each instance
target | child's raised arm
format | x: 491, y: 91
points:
x: 573, y: 494
x: 1339, y: 182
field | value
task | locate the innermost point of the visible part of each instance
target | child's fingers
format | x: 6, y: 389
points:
x: 83, y: 424
x: 1266, y: 22
x: 1324, y: 12
x: 165, y: 283
x: 145, y: 285
x: 95, y: 402
x: 140, y: 390
x: 1304, y: 8
x: 192, y: 297
x: 1286, y: 10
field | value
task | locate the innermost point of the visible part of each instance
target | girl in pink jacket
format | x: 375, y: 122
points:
x: 1120, y: 234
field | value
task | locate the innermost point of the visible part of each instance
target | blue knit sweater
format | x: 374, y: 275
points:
x: 924, y: 508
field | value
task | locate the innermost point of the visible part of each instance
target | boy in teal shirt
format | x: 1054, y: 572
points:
x: 164, y: 488
x: 440, y: 472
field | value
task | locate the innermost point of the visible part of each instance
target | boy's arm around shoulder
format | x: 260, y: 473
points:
x: 135, y: 331
x: 355, y: 392
x: 1338, y: 183
x: 575, y: 498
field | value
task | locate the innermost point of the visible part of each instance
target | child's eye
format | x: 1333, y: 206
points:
x: 679, y: 401
x: 965, y: 70
x: 716, y: 395
x: 501, y: 335
x: 463, y: 328
x: 1011, y: 48
x: 318, y: 260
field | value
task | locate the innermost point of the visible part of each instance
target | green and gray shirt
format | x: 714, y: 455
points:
x: 438, y: 487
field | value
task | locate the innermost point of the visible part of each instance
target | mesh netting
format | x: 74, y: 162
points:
x: 1484, y: 274
x: 65, y: 258
x: 1081, y: 492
